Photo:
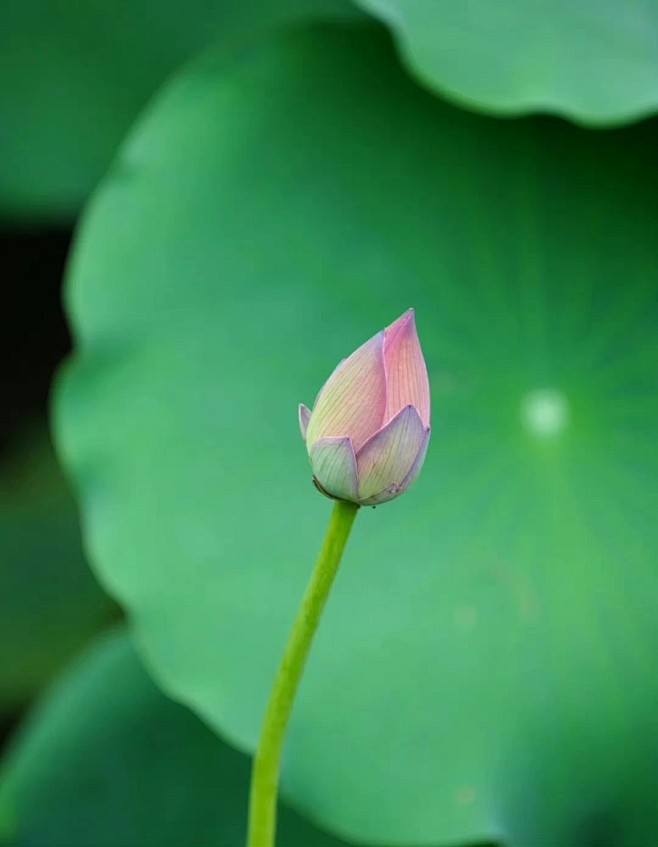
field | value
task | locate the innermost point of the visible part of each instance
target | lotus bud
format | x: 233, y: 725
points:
x: 368, y: 432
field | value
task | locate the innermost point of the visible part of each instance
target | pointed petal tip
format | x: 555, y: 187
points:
x: 407, y: 380
x: 399, y: 323
x: 304, y: 417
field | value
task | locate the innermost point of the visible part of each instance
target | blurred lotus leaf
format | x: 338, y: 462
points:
x: 73, y: 77
x: 486, y: 667
x: 50, y: 603
x: 595, y: 61
x: 132, y: 768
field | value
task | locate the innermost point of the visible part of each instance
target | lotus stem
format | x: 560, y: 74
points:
x: 265, y: 773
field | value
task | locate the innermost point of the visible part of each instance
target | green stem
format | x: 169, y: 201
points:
x: 265, y: 773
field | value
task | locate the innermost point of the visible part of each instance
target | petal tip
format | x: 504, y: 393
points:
x: 407, y: 380
x: 400, y: 323
x: 304, y: 414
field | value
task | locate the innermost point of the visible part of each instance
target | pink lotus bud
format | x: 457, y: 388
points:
x: 368, y: 433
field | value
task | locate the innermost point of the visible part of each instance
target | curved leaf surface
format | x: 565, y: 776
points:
x: 594, y: 61
x: 50, y: 603
x: 107, y: 760
x: 73, y: 77
x: 486, y: 664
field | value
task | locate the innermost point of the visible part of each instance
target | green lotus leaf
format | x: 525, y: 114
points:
x: 50, y: 603
x: 74, y: 75
x: 106, y: 759
x: 486, y: 665
x: 594, y: 61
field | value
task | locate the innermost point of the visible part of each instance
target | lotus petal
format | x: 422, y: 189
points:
x: 406, y: 372
x: 389, y: 493
x: 353, y: 400
x: 334, y: 467
x: 418, y: 462
x: 388, y: 457
x: 304, y: 418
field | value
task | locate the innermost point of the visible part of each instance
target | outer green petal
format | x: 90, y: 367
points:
x: 334, y: 467
x: 387, y: 458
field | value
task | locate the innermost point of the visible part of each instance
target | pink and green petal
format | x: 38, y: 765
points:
x: 394, y: 490
x: 304, y: 418
x: 388, y: 457
x: 353, y: 400
x: 334, y: 467
x: 406, y: 372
